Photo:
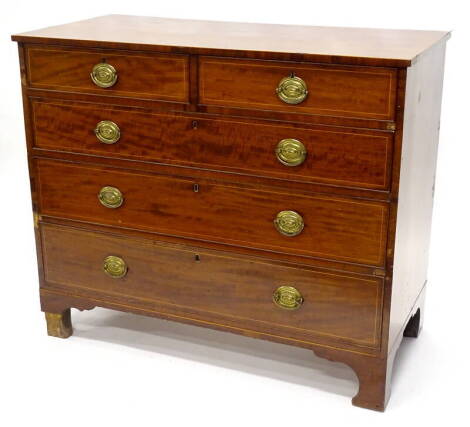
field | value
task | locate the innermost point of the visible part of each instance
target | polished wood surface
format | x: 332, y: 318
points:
x: 338, y: 229
x: 200, y: 119
x: 336, y: 91
x: 208, y: 285
x: 336, y: 156
x: 365, y: 46
x: 69, y: 70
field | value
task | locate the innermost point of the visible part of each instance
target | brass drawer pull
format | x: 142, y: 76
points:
x: 289, y: 223
x: 287, y: 297
x: 107, y: 132
x: 292, y: 90
x: 291, y: 152
x: 110, y: 197
x: 104, y: 75
x: 114, y: 267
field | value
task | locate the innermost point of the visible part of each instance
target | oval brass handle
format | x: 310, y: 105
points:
x: 107, y: 132
x: 104, y: 75
x: 292, y: 90
x: 289, y: 223
x: 110, y: 197
x: 114, y: 267
x: 291, y: 152
x: 287, y: 297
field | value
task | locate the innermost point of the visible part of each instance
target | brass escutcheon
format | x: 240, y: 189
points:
x: 110, y: 197
x: 114, y: 267
x: 292, y: 90
x: 107, y: 132
x: 104, y: 75
x: 291, y: 152
x: 289, y: 223
x: 287, y: 297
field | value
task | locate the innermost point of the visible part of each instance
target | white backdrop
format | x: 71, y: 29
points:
x: 124, y: 370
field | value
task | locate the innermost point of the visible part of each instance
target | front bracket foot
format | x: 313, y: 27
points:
x: 59, y: 324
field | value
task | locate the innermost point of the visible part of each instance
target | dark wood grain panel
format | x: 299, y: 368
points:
x: 325, y: 265
x: 217, y: 287
x: 346, y: 157
x: 339, y: 229
x: 334, y: 91
x: 222, y: 175
x: 156, y: 105
x: 155, y: 76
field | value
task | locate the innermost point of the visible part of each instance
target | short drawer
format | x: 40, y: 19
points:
x: 216, y: 288
x: 356, y: 92
x: 151, y: 76
x: 225, y: 213
x: 351, y: 157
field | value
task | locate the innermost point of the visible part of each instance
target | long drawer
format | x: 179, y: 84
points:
x: 352, y: 158
x: 149, y: 76
x: 226, y: 213
x: 360, y: 92
x: 215, y: 288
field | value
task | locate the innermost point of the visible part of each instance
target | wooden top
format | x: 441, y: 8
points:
x: 360, y: 46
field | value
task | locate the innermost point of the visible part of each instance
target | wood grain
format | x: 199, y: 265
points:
x: 199, y: 116
x: 153, y: 76
x: 363, y: 46
x: 336, y: 91
x: 325, y: 265
x: 217, y: 287
x: 346, y: 157
x: 338, y: 229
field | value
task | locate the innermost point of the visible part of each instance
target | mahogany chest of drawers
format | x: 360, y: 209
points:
x: 271, y: 181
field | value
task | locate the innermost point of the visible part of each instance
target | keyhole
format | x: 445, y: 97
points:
x: 194, y: 124
x: 196, y: 188
x: 197, y: 258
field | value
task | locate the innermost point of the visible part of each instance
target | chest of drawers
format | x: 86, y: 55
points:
x: 271, y: 181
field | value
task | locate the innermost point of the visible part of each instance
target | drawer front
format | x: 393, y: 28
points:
x: 350, y: 158
x: 332, y: 91
x: 215, y: 287
x: 155, y: 76
x: 333, y: 228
